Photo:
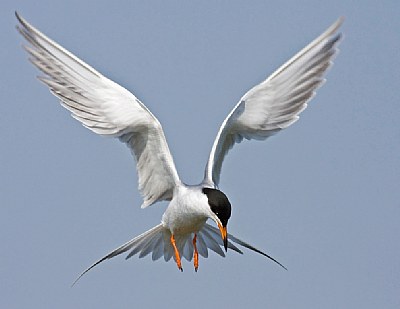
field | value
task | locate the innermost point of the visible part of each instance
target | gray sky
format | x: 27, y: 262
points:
x: 322, y: 197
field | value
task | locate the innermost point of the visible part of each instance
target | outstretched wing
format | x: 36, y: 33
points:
x: 275, y: 103
x: 106, y: 108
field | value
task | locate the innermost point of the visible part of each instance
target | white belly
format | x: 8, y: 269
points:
x: 187, y: 212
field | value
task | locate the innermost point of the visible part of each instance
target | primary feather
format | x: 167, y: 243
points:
x: 275, y: 103
x: 106, y: 108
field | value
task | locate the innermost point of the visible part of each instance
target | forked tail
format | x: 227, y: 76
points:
x: 157, y: 242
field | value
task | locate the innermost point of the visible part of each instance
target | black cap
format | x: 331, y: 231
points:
x: 219, y: 204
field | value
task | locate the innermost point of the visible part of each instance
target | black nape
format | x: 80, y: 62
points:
x: 219, y: 204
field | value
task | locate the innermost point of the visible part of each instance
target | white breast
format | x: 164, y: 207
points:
x: 187, y: 212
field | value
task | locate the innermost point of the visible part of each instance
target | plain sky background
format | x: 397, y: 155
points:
x: 322, y: 197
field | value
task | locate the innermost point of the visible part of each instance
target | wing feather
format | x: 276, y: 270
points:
x: 276, y: 103
x: 106, y: 108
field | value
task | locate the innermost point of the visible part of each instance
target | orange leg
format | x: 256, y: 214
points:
x: 195, y: 254
x: 177, y: 257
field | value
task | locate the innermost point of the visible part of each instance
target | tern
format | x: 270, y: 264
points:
x: 108, y: 109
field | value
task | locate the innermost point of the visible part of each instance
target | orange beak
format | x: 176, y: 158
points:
x: 224, y: 235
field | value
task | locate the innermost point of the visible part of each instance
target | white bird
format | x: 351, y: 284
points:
x: 108, y: 109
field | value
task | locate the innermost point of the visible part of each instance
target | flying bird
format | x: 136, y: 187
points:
x: 106, y: 108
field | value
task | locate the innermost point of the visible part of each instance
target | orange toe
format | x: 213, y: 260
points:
x: 195, y: 254
x: 176, y: 252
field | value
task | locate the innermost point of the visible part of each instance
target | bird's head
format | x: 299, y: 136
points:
x: 220, y: 211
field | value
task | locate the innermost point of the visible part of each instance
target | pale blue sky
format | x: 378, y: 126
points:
x: 322, y: 197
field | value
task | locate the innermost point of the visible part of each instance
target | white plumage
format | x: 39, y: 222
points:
x: 108, y: 109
